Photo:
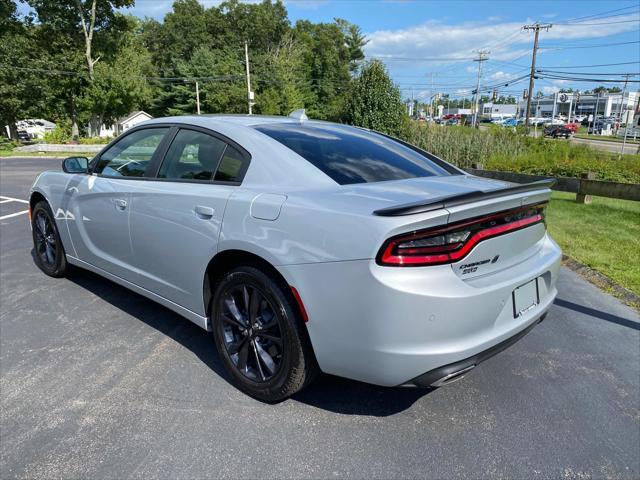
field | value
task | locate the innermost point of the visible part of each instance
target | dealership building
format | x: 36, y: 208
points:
x: 606, y: 104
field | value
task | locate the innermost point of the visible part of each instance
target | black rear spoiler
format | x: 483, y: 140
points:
x: 461, y: 199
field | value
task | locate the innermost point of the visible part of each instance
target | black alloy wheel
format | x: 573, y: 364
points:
x: 49, y: 252
x: 259, y: 334
x: 251, y: 332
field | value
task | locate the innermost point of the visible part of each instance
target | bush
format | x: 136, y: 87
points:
x: 502, y: 149
x: 7, y: 145
x: 95, y: 140
x: 60, y: 134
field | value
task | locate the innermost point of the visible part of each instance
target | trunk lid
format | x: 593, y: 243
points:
x: 465, y: 198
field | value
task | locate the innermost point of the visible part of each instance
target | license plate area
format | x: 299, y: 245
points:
x: 525, y: 297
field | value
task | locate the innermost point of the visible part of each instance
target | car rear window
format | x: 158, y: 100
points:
x: 353, y: 155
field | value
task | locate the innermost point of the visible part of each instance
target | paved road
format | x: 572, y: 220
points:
x: 98, y: 382
x: 606, y: 146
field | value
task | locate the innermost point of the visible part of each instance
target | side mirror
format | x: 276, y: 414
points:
x: 75, y: 165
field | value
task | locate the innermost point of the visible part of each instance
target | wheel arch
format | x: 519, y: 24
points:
x: 35, y: 198
x: 225, y: 260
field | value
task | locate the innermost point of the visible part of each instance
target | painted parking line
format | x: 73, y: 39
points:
x: 14, y: 214
x: 11, y: 199
x: 4, y: 199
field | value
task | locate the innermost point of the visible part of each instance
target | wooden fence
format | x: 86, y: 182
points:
x: 583, y: 187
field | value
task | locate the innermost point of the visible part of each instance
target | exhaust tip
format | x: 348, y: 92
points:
x: 452, y: 377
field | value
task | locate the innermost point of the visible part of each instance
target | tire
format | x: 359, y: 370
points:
x: 280, y: 335
x: 48, y: 250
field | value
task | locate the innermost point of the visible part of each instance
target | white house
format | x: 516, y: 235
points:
x: 122, y: 124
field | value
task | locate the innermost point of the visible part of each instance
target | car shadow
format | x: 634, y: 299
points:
x: 327, y: 392
x: 592, y: 312
x: 348, y: 397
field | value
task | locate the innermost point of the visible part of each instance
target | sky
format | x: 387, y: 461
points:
x: 429, y: 45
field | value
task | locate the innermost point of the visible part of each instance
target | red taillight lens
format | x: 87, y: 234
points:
x: 453, y: 242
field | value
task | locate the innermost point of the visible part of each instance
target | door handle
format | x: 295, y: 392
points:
x: 121, y: 204
x: 204, y: 213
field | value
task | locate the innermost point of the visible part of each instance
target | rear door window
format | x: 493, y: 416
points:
x: 192, y: 155
x: 353, y: 155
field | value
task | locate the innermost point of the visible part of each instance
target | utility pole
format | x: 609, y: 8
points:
x: 594, y: 120
x: 189, y: 80
x: 249, y: 92
x: 482, y: 56
x: 198, y: 97
x: 431, y: 93
x: 624, y: 90
x: 536, y: 28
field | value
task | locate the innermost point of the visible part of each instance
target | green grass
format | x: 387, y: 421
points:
x: 501, y: 149
x: 604, y: 235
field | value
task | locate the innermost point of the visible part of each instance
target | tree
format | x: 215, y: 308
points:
x: 24, y: 87
x: 75, y: 22
x: 326, y: 67
x: 120, y: 84
x: 354, y: 41
x: 281, y: 81
x: 374, y: 101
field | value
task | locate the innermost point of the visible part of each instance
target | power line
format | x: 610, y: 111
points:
x: 589, y: 66
x: 598, y: 23
x: 581, y: 79
x: 587, y: 73
x: 604, y: 13
x: 424, y: 59
x: 561, y: 47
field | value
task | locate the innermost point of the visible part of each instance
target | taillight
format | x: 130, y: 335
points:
x: 453, y: 242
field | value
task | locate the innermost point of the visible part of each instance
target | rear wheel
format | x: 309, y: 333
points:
x: 49, y: 252
x: 258, y: 334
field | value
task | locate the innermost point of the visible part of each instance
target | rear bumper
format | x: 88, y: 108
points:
x: 447, y: 374
x: 388, y: 326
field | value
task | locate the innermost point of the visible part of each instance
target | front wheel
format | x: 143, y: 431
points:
x: 48, y: 250
x: 259, y: 335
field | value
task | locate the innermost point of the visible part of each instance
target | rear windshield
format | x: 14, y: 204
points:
x: 352, y: 155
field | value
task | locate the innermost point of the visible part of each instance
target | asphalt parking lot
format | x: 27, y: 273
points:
x: 99, y: 382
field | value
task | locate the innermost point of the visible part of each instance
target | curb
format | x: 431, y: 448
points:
x: 602, y: 281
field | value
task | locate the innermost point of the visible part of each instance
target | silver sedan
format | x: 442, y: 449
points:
x: 306, y: 246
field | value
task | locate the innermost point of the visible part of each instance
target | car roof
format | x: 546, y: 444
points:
x: 209, y: 120
x: 271, y: 161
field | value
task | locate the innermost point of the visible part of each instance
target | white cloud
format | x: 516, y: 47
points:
x: 555, y: 86
x: 506, y: 41
x: 500, y: 75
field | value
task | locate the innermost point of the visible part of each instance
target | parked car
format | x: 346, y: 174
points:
x: 306, y: 246
x: 573, y: 127
x: 556, y: 131
x: 24, y: 135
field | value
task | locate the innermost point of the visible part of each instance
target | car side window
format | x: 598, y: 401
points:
x: 232, y: 166
x: 130, y: 156
x: 192, y: 156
